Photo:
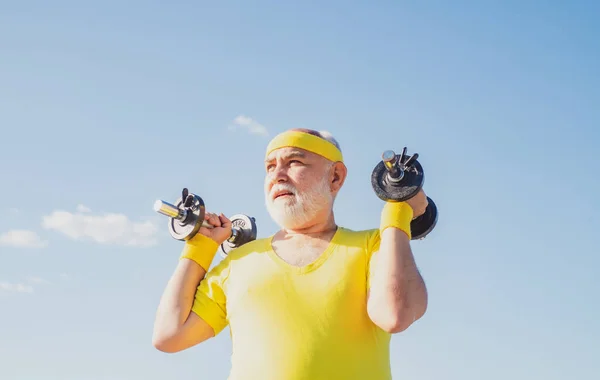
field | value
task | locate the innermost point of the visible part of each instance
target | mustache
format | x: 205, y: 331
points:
x: 285, y: 187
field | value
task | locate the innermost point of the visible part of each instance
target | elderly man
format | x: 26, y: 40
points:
x: 313, y: 301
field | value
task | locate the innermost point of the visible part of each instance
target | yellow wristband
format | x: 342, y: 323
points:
x: 200, y: 249
x: 397, y: 215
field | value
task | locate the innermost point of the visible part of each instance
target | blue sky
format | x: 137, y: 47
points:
x: 106, y: 107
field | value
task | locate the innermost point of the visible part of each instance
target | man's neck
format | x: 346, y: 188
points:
x: 323, y: 228
x: 301, y: 246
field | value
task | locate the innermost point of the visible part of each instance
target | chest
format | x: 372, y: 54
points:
x: 272, y: 288
x: 299, y: 253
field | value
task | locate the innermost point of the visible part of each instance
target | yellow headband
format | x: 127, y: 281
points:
x: 307, y: 142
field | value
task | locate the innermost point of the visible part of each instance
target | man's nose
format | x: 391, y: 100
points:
x: 279, y: 175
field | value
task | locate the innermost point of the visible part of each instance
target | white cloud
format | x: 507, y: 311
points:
x: 251, y: 125
x: 108, y: 228
x: 82, y: 208
x: 17, y: 288
x: 36, y: 280
x: 22, y: 239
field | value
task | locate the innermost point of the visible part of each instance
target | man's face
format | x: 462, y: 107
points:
x: 297, y: 187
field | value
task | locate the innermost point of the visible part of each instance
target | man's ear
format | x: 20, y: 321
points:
x: 338, y: 175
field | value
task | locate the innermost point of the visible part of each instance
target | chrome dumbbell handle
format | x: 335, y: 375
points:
x: 396, y: 165
x: 390, y: 160
x: 174, y: 212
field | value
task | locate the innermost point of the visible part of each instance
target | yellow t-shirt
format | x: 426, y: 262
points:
x: 291, y: 322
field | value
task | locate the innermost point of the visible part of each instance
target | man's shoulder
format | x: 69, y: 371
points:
x: 366, y: 238
x: 260, y: 245
x: 368, y: 233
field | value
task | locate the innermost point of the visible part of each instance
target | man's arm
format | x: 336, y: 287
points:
x: 397, y: 295
x: 177, y: 328
x: 189, y: 294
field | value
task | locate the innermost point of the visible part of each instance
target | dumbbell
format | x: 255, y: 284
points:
x: 398, y: 177
x: 186, y: 217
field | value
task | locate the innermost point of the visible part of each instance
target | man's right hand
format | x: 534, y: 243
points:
x: 222, y: 227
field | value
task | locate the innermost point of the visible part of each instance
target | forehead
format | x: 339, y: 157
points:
x: 288, y: 152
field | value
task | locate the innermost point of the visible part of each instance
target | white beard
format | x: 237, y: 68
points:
x: 298, y: 210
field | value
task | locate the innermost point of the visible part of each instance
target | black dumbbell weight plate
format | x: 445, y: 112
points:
x: 186, y: 229
x: 424, y: 224
x: 386, y: 189
x: 246, y: 232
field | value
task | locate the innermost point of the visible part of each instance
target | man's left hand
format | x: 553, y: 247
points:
x: 418, y: 203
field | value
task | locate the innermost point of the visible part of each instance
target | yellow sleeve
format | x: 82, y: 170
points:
x: 210, y: 301
x: 374, y: 239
